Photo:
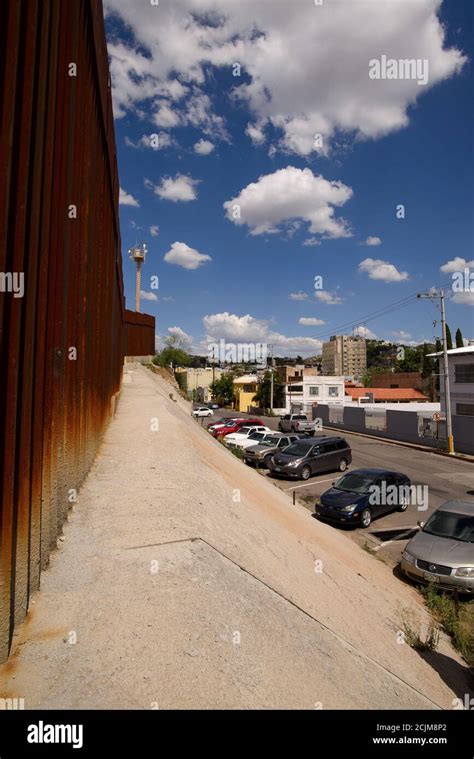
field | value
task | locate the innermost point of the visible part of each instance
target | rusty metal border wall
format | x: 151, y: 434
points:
x: 62, y: 344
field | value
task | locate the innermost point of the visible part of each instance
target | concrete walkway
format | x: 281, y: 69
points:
x: 186, y: 580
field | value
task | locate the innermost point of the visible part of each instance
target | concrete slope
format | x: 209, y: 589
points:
x: 187, y: 580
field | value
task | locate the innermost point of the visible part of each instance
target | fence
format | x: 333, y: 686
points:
x: 405, y: 426
x: 61, y: 343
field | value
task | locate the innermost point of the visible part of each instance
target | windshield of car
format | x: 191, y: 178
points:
x: 354, y: 483
x: 447, y: 524
x: 297, y: 449
x: 273, y: 440
x: 244, y: 430
x: 256, y: 435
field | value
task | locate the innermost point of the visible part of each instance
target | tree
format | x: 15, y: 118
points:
x: 172, y: 357
x: 223, y: 388
x: 459, y: 339
x: 449, y: 339
x: 263, y: 394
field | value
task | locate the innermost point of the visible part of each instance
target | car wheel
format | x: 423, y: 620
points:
x: 311, y: 434
x: 279, y: 427
x: 293, y: 429
x: 366, y: 518
x: 267, y: 459
x: 305, y: 473
x: 343, y: 465
x: 404, y: 505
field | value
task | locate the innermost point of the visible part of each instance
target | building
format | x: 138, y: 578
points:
x: 303, y: 393
x: 245, y: 388
x: 195, y: 381
x: 344, y: 355
x: 461, y: 381
x: 399, y: 379
x: 384, y: 395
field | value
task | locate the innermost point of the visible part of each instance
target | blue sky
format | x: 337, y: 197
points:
x: 306, y: 208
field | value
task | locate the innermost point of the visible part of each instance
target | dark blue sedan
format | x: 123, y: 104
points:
x: 364, y: 494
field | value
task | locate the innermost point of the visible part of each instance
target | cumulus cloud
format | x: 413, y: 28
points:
x: 154, y: 230
x: 330, y: 299
x: 464, y: 298
x: 289, y: 195
x: 125, y: 199
x: 298, y: 296
x: 144, y: 295
x: 373, y: 241
x: 157, y: 141
x: 311, y: 241
x: 325, y: 90
x: 382, y: 270
x: 401, y: 335
x: 182, y: 255
x: 181, y: 188
x: 456, y: 264
x: 363, y: 331
x: 247, y: 329
x: 310, y: 321
x: 204, y: 147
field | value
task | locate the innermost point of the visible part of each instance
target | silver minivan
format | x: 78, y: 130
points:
x: 443, y: 550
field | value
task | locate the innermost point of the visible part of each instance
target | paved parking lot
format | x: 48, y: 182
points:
x: 446, y: 479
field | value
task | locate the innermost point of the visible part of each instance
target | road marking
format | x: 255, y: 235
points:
x: 316, y: 482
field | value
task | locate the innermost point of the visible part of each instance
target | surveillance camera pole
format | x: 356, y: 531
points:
x: 432, y: 295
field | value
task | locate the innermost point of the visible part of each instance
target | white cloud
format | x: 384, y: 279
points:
x: 161, y: 140
x: 181, y: 188
x: 310, y: 241
x: 286, y: 196
x: 256, y: 134
x: 204, y: 147
x: 298, y: 296
x: 246, y: 329
x: 382, y: 270
x: 456, y: 264
x: 144, y: 295
x: 179, y: 334
x: 463, y: 299
x: 182, y: 255
x: 125, y: 199
x: 310, y: 321
x: 373, y: 241
x: 330, y: 299
x: 401, y: 335
x: 154, y: 230
x: 362, y: 331
x: 325, y: 89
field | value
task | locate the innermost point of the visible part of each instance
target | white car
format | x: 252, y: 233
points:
x: 256, y: 438
x: 235, y: 439
x: 203, y: 411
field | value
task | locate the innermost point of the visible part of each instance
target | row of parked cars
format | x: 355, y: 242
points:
x: 441, y: 552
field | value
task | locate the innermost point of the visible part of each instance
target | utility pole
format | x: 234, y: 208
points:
x: 271, y: 380
x: 447, y: 395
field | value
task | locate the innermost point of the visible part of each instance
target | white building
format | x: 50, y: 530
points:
x: 461, y: 380
x: 302, y: 393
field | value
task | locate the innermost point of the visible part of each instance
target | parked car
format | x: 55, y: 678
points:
x: 297, y: 423
x: 443, y: 550
x: 237, y: 439
x: 202, y: 411
x: 214, y: 405
x: 261, y: 453
x: 362, y: 495
x: 306, y: 457
x: 219, y: 423
x: 234, y: 425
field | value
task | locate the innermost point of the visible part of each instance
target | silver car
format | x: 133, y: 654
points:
x: 261, y: 453
x: 443, y: 550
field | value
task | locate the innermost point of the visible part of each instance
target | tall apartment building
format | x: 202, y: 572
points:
x: 345, y: 355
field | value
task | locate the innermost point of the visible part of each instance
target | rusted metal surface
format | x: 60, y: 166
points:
x: 63, y: 343
x: 139, y: 334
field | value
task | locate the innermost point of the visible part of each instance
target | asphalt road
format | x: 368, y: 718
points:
x: 445, y: 478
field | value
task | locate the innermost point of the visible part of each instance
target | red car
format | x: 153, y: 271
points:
x: 234, y: 425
